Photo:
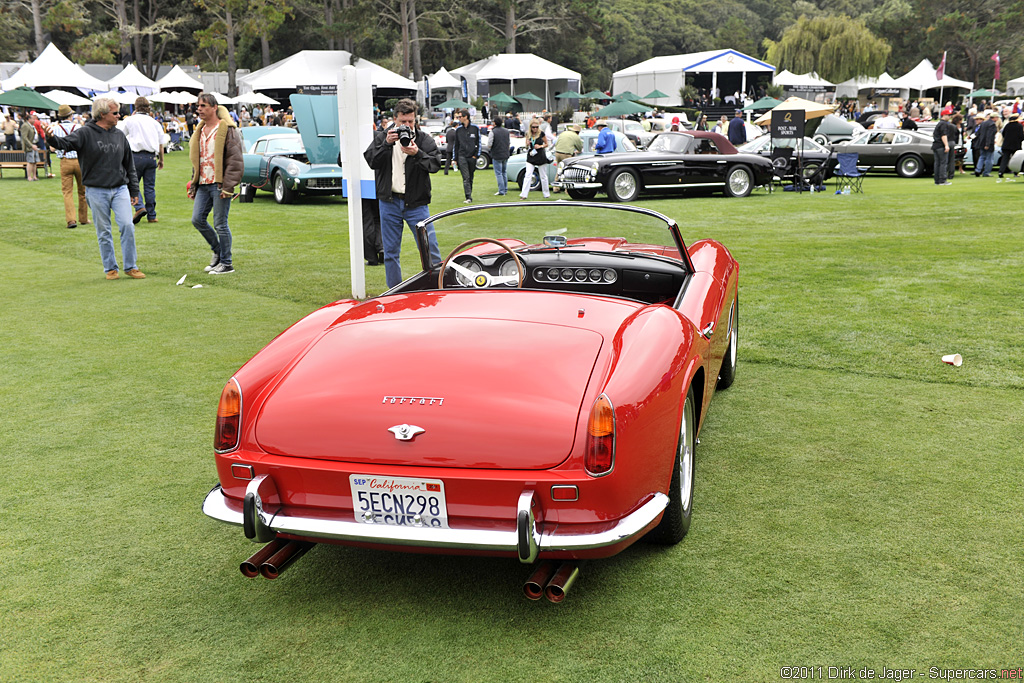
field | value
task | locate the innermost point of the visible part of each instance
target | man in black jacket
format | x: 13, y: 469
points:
x: 985, y: 137
x: 1013, y: 136
x: 499, y: 146
x: 108, y: 173
x: 402, y: 161
x: 467, y: 149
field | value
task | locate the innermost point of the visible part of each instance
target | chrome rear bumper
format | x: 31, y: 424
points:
x: 262, y: 519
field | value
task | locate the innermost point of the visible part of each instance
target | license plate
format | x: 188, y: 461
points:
x: 399, y: 501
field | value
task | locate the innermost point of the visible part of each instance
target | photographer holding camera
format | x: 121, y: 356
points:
x: 402, y: 158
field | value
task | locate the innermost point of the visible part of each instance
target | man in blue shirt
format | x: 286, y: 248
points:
x: 605, y: 139
x: 737, y: 131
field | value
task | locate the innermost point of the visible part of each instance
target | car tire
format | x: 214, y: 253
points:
x: 909, y: 166
x: 821, y: 140
x: 727, y: 375
x: 581, y: 194
x: 483, y: 162
x: 675, y: 521
x: 282, y: 193
x: 810, y: 168
x: 739, y: 181
x: 521, y: 179
x: 624, y: 185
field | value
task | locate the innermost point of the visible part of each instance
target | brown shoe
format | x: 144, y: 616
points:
x: 135, y: 274
x: 72, y: 225
x: 112, y: 275
x: 139, y: 213
x: 153, y: 220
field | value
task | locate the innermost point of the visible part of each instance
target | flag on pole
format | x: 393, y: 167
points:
x: 942, y: 68
x: 995, y: 58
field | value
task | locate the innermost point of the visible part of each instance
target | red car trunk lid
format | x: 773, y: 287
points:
x: 487, y: 393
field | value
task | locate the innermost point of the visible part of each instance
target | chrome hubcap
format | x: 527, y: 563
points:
x: 739, y: 181
x: 686, y: 456
x: 910, y: 166
x: 625, y: 185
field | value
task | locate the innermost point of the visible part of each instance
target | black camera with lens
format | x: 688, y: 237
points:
x: 405, y: 135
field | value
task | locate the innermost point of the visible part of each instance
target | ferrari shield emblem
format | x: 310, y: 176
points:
x: 405, y: 432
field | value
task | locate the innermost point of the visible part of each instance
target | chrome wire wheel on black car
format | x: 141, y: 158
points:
x: 623, y: 186
x: 738, y: 181
x: 675, y: 521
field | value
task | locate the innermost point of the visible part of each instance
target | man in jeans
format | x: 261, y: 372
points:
x: 108, y: 173
x: 499, y: 145
x: 942, y: 142
x: 216, y: 152
x: 467, y: 149
x: 146, y: 138
x: 402, y: 178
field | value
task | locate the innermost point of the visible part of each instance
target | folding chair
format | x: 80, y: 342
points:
x: 849, y: 175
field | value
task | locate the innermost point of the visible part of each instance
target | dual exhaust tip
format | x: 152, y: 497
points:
x: 273, y: 558
x: 551, y: 580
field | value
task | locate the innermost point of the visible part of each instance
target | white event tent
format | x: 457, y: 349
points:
x: 922, y: 77
x: 518, y: 73
x: 134, y: 80
x: 809, y: 82
x: 1015, y: 87
x: 176, y: 79
x: 68, y: 98
x: 315, y: 72
x: 443, y: 85
x: 884, y: 82
x: 726, y: 70
x: 51, y: 69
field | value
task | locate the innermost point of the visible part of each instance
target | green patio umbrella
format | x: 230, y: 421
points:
x: 502, y: 100
x: 570, y: 95
x: 654, y: 94
x: 528, y: 96
x: 626, y: 96
x: 763, y: 103
x: 623, y: 108
x: 28, y: 98
x: 453, y: 104
x: 982, y: 93
x: 596, y: 95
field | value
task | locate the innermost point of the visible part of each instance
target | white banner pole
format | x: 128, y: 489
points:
x: 355, y: 127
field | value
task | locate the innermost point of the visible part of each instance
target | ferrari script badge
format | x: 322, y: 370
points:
x: 405, y: 432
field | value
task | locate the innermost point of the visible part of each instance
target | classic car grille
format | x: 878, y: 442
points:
x: 323, y: 183
x: 576, y: 173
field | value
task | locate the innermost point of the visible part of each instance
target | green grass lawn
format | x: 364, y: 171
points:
x: 858, y: 503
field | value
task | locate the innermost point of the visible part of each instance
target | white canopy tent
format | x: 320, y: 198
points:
x: 315, y: 72
x: 884, y: 82
x: 255, y: 98
x: 667, y: 73
x: 120, y: 97
x: 179, y: 97
x: 1015, y: 87
x: 133, y: 79
x: 518, y: 74
x: 68, y: 98
x: 922, y: 77
x: 442, y: 85
x: 176, y: 79
x: 52, y: 69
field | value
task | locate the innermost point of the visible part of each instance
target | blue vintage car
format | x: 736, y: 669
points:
x: 290, y: 164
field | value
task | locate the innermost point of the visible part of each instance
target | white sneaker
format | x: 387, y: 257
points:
x: 468, y: 201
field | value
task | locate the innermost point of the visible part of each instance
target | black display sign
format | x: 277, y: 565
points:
x: 328, y: 89
x: 788, y: 123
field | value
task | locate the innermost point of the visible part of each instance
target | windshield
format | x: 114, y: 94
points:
x: 670, y: 143
x: 289, y: 145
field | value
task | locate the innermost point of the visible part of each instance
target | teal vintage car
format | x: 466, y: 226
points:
x: 289, y: 164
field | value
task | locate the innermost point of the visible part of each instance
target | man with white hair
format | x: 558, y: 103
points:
x: 111, y: 185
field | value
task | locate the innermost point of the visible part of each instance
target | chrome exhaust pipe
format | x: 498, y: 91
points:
x: 534, y: 586
x: 251, y: 567
x: 561, y: 582
x: 283, y: 558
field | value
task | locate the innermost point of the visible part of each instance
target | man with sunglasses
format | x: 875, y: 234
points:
x: 111, y: 184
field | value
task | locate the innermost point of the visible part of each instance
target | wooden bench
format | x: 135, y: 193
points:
x: 14, y: 159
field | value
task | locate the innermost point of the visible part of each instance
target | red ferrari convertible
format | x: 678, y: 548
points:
x: 537, y: 401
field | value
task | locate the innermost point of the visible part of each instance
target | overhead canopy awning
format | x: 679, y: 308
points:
x: 315, y: 72
x: 176, y: 78
x: 666, y: 73
x: 517, y: 73
x: 131, y: 77
x: 922, y: 77
x: 882, y: 86
x: 52, y: 69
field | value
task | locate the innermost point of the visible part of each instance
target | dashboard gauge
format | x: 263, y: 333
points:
x: 566, y: 274
x: 553, y: 273
x: 609, y: 275
x: 509, y: 269
x: 595, y: 275
x: 581, y: 274
x: 469, y: 263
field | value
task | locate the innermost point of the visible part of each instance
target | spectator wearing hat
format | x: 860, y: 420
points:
x: 1013, y: 138
x: 985, y: 139
x: 676, y: 125
x: 146, y: 137
x: 10, y: 126
x: 569, y: 143
x: 111, y: 184
x: 605, y: 139
x: 70, y: 171
x: 29, y: 146
x: 737, y: 131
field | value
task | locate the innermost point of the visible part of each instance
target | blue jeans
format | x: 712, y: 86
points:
x: 219, y: 236
x: 145, y: 167
x: 103, y: 200
x: 500, y: 171
x: 392, y: 213
x: 984, y: 166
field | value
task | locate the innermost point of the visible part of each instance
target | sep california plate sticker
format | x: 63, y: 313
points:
x: 399, y: 501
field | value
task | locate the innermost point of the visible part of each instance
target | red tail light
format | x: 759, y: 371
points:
x: 229, y: 417
x: 599, y: 457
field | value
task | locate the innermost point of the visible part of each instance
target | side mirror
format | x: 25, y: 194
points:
x: 555, y: 241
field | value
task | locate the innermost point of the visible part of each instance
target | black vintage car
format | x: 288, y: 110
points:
x: 672, y: 162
